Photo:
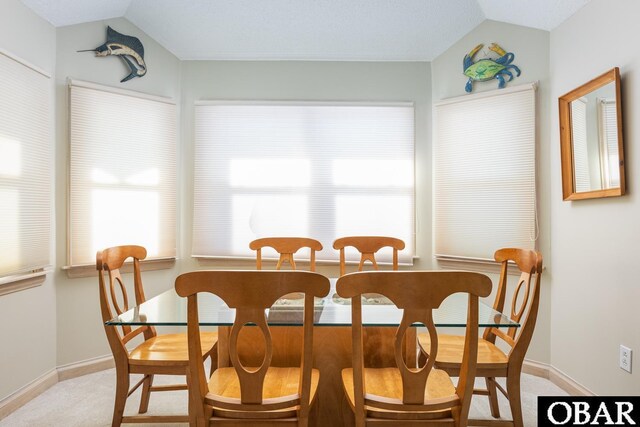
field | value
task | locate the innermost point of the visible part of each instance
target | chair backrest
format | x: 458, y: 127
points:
x: 286, y: 247
x: 526, y: 311
x: 417, y: 293
x: 113, y: 293
x: 250, y: 293
x: 367, y: 246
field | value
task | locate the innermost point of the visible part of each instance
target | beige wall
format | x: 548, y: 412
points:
x: 27, y: 318
x: 594, y: 288
x: 531, y: 49
x: 80, y: 332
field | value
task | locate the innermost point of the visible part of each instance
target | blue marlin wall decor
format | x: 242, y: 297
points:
x: 128, y: 48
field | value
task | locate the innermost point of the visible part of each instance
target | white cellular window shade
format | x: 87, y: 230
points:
x: 579, y: 142
x: 26, y: 165
x: 307, y: 169
x: 484, y: 173
x: 122, y: 177
x: 609, y: 140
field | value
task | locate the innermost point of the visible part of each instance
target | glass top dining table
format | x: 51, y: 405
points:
x: 169, y: 309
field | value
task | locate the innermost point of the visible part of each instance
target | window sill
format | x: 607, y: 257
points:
x: 476, y: 265
x: 249, y: 261
x: 89, y: 270
x: 21, y: 282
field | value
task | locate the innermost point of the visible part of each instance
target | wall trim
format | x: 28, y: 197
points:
x: 89, y: 270
x: 85, y: 367
x: 557, y: 377
x: 38, y: 386
x: 568, y: 384
x: 30, y: 391
x: 101, y: 363
x: 537, y: 369
x: 23, y: 282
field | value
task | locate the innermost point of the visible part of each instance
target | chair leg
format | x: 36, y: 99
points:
x: 422, y: 358
x: 208, y: 413
x: 146, y: 394
x: 515, y: 402
x: 196, y: 417
x: 460, y: 417
x: 493, y: 396
x: 213, y: 358
x: 122, y: 390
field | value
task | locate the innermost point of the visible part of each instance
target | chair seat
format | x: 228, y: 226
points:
x: 387, y: 383
x: 278, y: 383
x: 451, y: 348
x: 169, y: 348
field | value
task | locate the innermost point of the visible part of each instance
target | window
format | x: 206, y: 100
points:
x: 305, y: 169
x: 484, y: 173
x: 581, y: 146
x: 25, y: 169
x: 610, y: 167
x: 122, y: 172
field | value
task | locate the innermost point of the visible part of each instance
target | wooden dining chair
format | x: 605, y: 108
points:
x: 404, y: 395
x: 492, y: 361
x: 286, y: 248
x: 256, y: 395
x: 367, y: 246
x: 156, y: 355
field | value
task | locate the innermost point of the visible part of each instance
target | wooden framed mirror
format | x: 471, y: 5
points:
x: 592, y: 152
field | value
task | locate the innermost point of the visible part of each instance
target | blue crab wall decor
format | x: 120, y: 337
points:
x: 487, y: 68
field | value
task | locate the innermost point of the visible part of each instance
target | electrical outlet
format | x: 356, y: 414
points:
x: 625, y: 358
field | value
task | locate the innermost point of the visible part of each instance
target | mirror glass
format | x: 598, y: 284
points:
x: 594, y: 128
x: 590, y: 135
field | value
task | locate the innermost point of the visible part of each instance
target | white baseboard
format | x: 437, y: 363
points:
x: 537, y: 369
x: 28, y: 392
x: 568, y: 384
x: 51, y: 378
x: 77, y: 369
x: 557, y: 377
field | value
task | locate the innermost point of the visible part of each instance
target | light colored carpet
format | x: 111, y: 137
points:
x: 87, y: 401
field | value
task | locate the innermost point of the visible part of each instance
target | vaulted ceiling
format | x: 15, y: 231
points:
x: 353, y: 30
